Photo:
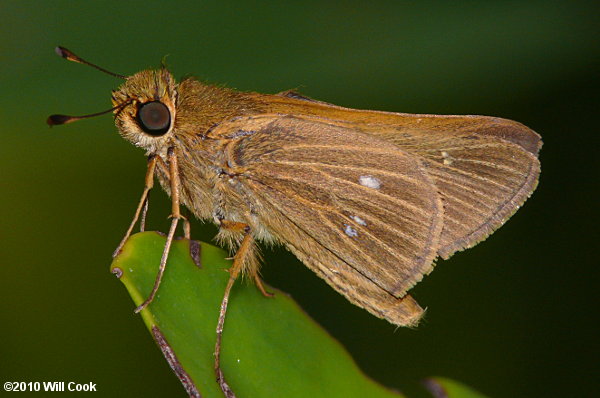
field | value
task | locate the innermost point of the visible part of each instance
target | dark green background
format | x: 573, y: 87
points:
x: 513, y: 317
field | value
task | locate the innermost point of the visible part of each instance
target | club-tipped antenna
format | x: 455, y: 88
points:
x: 55, y: 120
x: 69, y: 55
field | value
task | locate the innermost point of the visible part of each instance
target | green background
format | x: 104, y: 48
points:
x: 514, y: 317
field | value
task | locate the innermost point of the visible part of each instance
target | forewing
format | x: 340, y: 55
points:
x: 484, y: 168
x: 367, y: 207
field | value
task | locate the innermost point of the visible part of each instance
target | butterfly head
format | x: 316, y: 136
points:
x: 144, y: 108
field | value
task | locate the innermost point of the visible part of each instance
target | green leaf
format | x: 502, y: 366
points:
x: 271, y: 348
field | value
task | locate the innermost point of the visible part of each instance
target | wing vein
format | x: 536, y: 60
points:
x: 437, y: 172
x: 348, y: 167
x: 283, y: 213
x: 364, y: 253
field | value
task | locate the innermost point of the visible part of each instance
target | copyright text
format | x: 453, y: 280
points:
x: 19, y: 386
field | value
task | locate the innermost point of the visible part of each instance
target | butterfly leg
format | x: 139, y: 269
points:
x: 175, y: 217
x: 144, y: 213
x: 143, y: 205
x: 260, y: 286
x: 242, y: 256
x: 187, y: 234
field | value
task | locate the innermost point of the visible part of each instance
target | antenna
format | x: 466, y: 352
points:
x: 55, y: 120
x: 70, y: 56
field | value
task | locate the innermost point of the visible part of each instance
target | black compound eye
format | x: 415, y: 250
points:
x: 154, y: 118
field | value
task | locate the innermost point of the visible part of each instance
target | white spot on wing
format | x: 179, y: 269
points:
x: 369, y: 182
x: 447, y: 158
x: 351, y: 232
x: 359, y: 220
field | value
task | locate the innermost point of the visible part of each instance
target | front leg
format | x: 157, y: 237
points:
x: 143, y: 205
x: 175, y: 216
